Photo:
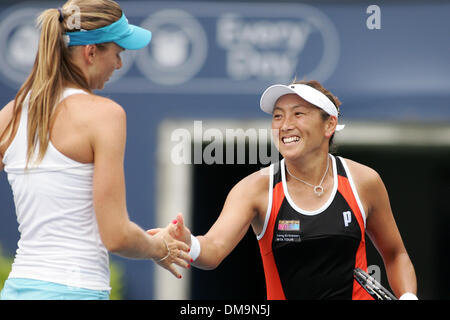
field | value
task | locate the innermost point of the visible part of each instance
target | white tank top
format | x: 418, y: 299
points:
x: 59, y: 237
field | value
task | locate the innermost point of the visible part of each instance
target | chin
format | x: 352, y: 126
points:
x: 294, y: 154
x: 290, y: 154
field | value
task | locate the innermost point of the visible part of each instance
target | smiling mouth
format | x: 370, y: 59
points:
x: 288, y: 140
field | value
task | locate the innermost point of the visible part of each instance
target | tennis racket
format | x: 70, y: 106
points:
x: 372, y: 286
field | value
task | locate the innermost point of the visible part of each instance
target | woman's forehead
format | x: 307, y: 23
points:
x: 291, y: 101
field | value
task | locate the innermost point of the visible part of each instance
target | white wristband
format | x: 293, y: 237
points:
x: 195, y: 248
x: 408, y: 296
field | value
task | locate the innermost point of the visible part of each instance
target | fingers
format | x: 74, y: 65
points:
x: 180, y: 220
x: 174, y: 271
x: 177, y: 256
x: 177, y: 253
x: 176, y: 230
x: 170, y: 267
x: 179, y: 225
x: 184, y: 260
x: 178, y: 250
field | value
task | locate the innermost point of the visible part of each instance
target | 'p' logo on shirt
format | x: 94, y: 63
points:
x: 347, y: 217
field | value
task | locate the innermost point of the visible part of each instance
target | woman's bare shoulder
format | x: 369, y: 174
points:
x: 6, y: 114
x: 363, y: 175
x: 256, y: 181
x: 92, y: 109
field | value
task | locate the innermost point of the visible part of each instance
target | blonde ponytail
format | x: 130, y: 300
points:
x: 54, y: 69
x: 47, y: 84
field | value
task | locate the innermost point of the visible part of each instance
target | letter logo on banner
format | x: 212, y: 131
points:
x: 374, y: 20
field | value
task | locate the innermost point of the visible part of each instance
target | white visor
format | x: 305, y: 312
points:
x: 313, y: 96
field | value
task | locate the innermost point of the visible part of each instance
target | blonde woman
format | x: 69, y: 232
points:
x: 62, y: 148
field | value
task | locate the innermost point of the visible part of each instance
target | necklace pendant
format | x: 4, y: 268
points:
x: 318, y: 190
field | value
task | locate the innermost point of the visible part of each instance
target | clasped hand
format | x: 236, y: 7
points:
x: 175, y: 244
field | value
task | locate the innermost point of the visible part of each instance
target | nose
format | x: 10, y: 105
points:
x: 119, y: 63
x: 287, y: 124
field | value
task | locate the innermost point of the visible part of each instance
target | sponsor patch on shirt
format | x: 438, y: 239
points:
x: 288, y: 231
x: 289, y: 225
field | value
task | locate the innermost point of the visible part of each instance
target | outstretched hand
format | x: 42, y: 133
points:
x: 178, y: 231
x: 175, y: 252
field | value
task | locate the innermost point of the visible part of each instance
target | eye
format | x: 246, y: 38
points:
x: 277, y: 116
x: 298, y: 113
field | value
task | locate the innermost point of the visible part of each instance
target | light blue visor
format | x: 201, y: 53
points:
x: 125, y: 35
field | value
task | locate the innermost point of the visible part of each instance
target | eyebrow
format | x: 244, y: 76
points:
x: 293, y: 107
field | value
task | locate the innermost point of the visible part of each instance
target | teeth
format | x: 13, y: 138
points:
x: 291, y: 139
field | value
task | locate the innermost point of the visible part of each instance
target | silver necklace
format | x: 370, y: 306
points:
x: 318, y: 190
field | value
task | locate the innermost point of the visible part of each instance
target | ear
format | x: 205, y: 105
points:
x: 89, y: 53
x: 330, y: 126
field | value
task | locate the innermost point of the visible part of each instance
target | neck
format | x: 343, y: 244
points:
x: 68, y: 84
x: 310, y: 169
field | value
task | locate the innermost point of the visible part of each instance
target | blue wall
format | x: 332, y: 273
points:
x: 213, y: 60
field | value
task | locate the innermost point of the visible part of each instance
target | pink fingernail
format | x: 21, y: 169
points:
x: 175, y: 221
